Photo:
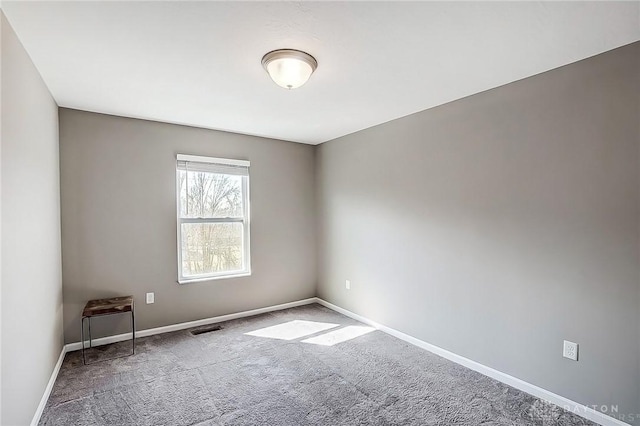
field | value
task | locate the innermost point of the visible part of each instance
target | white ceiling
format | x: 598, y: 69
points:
x: 198, y: 63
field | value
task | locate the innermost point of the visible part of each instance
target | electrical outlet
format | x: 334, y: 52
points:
x: 347, y: 285
x: 150, y: 298
x: 570, y: 350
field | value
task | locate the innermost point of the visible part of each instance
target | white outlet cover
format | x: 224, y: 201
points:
x: 347, y: 284
x: 570, y: 350
x: 150, y: 298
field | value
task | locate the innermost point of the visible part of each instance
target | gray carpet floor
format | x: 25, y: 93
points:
x: 229, y: 377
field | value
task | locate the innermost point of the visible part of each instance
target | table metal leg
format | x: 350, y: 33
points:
x: 133, y: 332
x: 89, y: 319
x: 84, y: 360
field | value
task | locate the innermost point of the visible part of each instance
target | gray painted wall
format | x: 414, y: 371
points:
x: 31, y: 266
x: 500, y: 224
x: 119, y: 220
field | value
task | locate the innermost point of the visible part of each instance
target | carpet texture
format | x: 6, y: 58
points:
x: 316, y: 377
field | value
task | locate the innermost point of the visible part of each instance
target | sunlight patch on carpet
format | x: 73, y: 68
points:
x: 339, y: 336
x: 292, y: 330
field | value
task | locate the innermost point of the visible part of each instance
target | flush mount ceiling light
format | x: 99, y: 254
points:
x: 289, y: 68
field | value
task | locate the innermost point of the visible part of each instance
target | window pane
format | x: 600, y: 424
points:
x: 209, y: 248
x: 205, y: 194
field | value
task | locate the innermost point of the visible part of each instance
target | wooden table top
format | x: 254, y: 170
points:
x: 111, y: 305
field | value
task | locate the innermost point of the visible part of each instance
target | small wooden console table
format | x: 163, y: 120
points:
x: 110, y: 306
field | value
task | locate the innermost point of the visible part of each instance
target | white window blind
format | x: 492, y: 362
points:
x: 213, y: 165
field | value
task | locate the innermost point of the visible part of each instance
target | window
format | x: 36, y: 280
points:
x: 213, y: 218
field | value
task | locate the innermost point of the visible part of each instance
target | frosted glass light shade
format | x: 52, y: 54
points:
x: 289, y: 68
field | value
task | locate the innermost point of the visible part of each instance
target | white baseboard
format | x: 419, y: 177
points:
x: 49, y: 388
x: 183, y: 325
x: 576, y: 408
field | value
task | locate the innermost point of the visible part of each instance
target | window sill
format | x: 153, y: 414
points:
x: 214, y: 278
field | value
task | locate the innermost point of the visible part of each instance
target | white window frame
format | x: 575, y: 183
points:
x: 246, y: 269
